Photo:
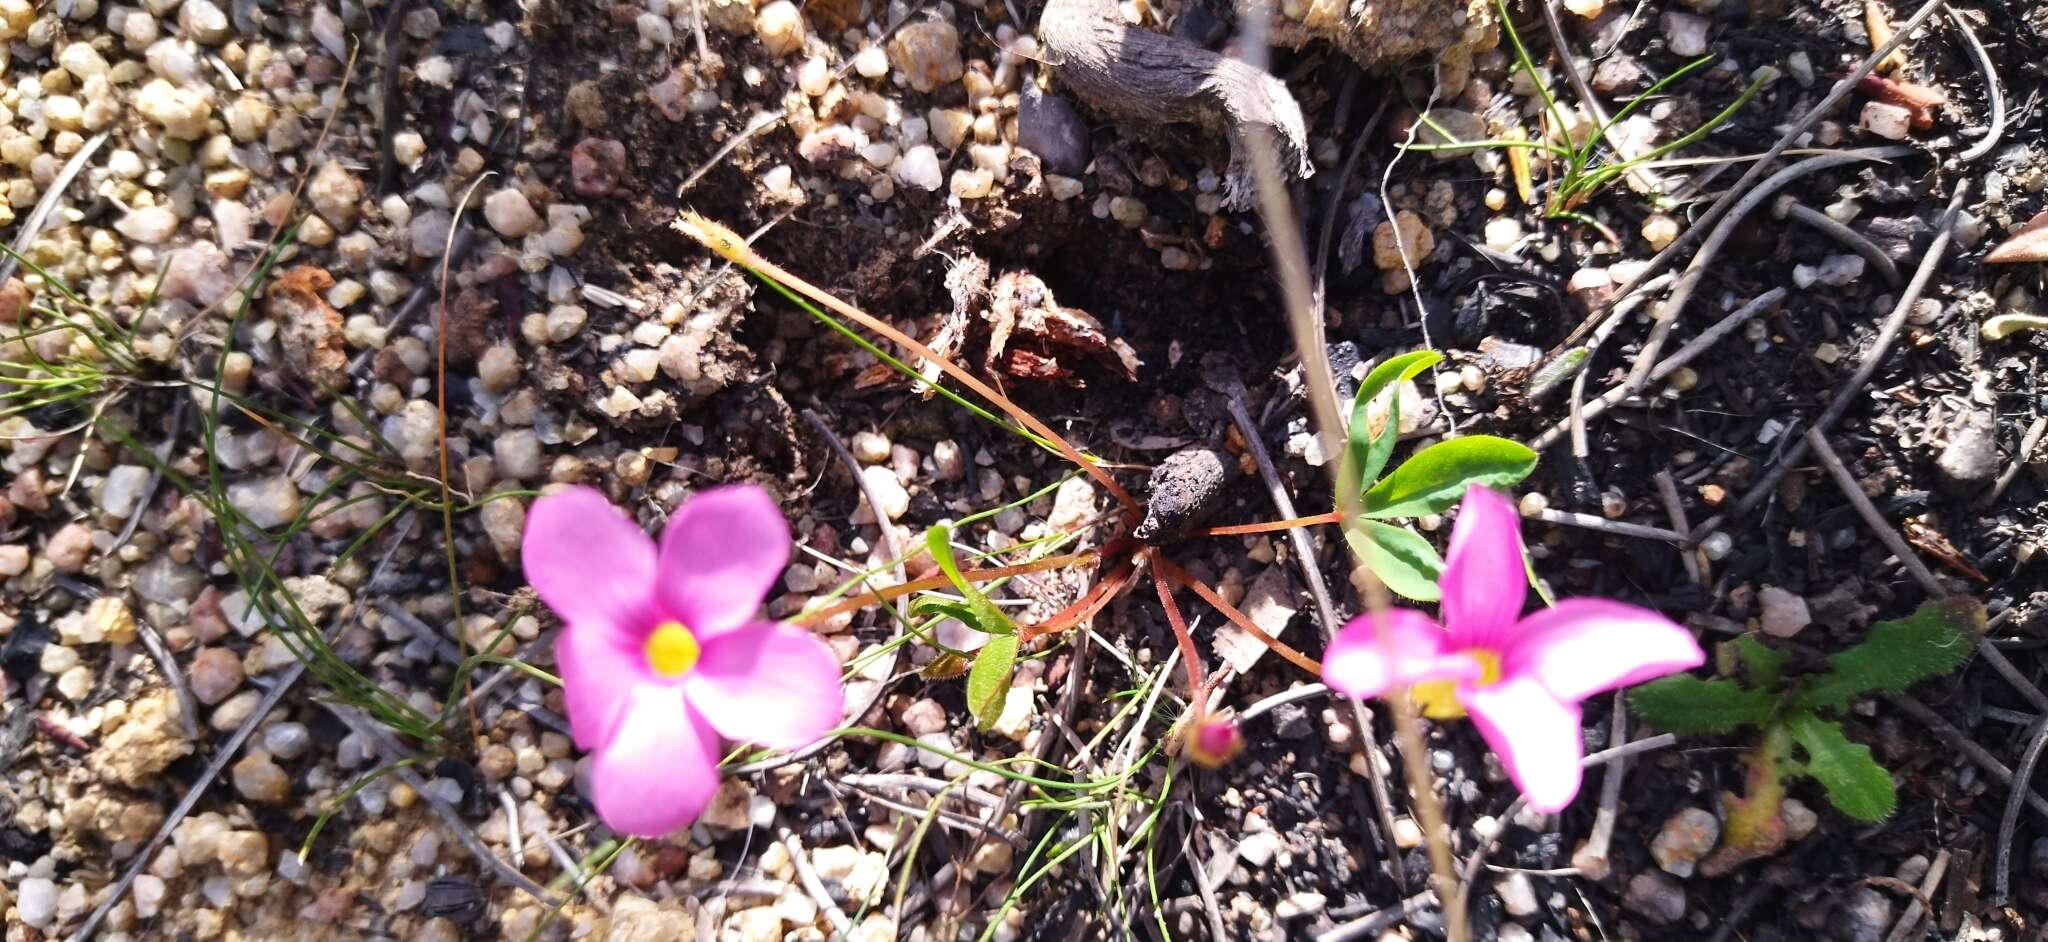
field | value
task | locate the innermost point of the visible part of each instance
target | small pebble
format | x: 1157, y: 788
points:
x: 1888, y: 121
x: 258, y: 778
x: 1781, y: 614
x: 1686, y: 33
x: 510, y: 213
x: 1655, y: 897
x: 287, y: 740
x: 215, y: 674
x: 1685, y: 838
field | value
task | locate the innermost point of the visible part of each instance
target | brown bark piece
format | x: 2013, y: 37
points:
x: 1137, y: 75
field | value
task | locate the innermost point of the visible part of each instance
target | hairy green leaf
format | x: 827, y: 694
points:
x: 1857, y: 786
x: 1399, y: 556
x: 1898, y: 654
x: 1434, y: 479
x: 986, y: 617
x: 1366, y: 454
x: 1764, y: 665
x: 1689, y: 706
x: 988, y: 682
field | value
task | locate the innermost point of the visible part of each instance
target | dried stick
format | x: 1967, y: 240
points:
x: 1379, y: 920
x: 392, y: 752
x: 387, y: 90
x: 1667, y: 491
x: 2028, y: 442
x: 1686, y: 354
x: 888, y: 541
x: 188, y: 708
x: 52, y: 195
x: 1797, y: 129
x: 1668, y: 312
x: 1992, y: 91
x: 1642, y: 178
x: 1326, y: 612
x: 1572, y: 518
x: 2022, y: 779
x: 1791, y: 208
x: 1577, y: 415
x: 1910, y: 920
x: 1290, y: 257
x: 1865, y: 368
x: 1591, y: 859
x: 1967, y: 746
x: 1284, y: 697
x: 814, y: 886
x: 221, y: 757
x: 1846, y: 482
x: 1604, y: 756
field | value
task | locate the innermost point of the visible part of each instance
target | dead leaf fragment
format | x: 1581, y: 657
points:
x: 2005, y: 325
x: 1029, y: 332
x: 309, y: 328
x: 1922, y: 100
x: 2029, y: 244
x: 1877, y: 21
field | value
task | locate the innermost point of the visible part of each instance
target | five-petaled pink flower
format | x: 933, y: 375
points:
x: 1521, y: 679
x: 662, y: 650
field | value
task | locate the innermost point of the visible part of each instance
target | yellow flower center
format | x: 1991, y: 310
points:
x: 1438, y: 699
x: 672, y: 650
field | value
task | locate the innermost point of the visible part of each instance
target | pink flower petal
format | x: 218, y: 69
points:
x: 1582, y: 647
x: 720, y: 555
x: 599, y: 669
x: 1536, y: 736
x: 1484, y: 584
x: 1359, y: 665
x: 660, y: 767
x: 768, y: 683
x: 592, y: 564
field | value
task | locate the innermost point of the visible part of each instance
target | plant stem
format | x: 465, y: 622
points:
x: 1753, y: 821
x: 1242, y: 529
x: 937, y: 581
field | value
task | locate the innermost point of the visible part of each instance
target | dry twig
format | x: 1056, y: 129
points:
x: 1992, y: 90
x: 1944, y: 231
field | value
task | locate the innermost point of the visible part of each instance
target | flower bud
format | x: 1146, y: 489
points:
x: 1214, y: 739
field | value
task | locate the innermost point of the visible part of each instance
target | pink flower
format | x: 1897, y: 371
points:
x: 1214, y: 739
x: 662, y: 652
x: 1521, y: 679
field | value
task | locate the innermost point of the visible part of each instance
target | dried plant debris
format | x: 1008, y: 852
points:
x: 1029, y: 332
x: 1133, y: 74
x: 1381, y: 34
x: 1184, y: 489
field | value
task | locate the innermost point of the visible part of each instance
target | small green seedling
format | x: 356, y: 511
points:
x: 1583, y: 172
x: 1431, y: 481
x: 1799, y: 737
x: 988, y: 680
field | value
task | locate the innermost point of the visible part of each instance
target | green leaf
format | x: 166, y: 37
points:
x: 1689, y: 706
x: 1762, y: 664
x: 1366, y: 454
x: 986, y: 617
x: 988, y: 682
x: 1857, y: 786
x: 1399, y: 556
x: 1898, y: 654
x: 1433, y: 479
